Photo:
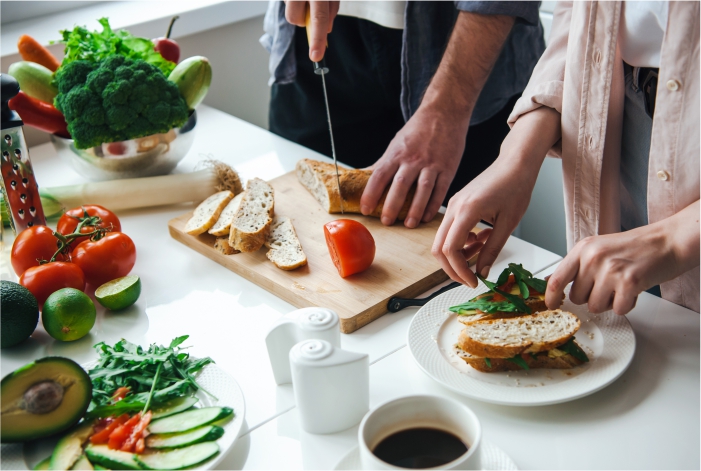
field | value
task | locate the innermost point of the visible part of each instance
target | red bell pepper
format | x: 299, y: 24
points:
x: 39, y: 114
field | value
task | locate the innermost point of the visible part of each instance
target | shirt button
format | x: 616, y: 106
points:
x: 597, y: 57
x: 673, y: 85
x: 663, y: 175
x: 591, y: 142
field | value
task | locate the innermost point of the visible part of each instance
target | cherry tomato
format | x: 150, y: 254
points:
x: 31, y: 245
x: 50, y: 277
x: 351, y: 246
x: 70, y: 219
x: 103, y: 260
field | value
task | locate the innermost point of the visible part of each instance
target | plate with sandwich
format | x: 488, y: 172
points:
x: 500, y: 343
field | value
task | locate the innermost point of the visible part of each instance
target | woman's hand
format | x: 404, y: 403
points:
x: 499, y: 196
x: 609, y: 271
x: 321, y: 18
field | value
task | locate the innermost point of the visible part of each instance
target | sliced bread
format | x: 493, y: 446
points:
x: 285, y: 250
x: 221, y: 244
x: 507, y: 337
x: 255, y: 214
x: 207, y: 213
x: 555, y: 359
x: 223, y: 225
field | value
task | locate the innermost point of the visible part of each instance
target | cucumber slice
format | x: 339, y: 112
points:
x: 208, y: 433
x: 179, y: 458
x: 97, y: 466
x: 190, y: 419
x: 82, y: 464
x: 173, y: 406
x: 44, y: 464
x: 111, y: 459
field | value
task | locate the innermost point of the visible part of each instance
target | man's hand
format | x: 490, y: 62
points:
x: 500, y: 196
x: 322, y: 15
x: 428, y: 150
x: 609, y: 271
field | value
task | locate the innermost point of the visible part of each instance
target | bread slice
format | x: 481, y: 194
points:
x: 223, y: 225
x: 320, y: 179
x: 221, y: 244
x: 555, y: 359
x: 507, y: 337
x: 255, y: 214
x: 285, y: 250
x: 207, y: 213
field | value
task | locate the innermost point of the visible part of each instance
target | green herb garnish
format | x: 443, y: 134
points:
x: 515, y: 300
x: 484, y: 305
x: 153, y: 376
x: 519, y: 361
x: 523, y: 276
x: 488, y: 362
x: 573, y: 349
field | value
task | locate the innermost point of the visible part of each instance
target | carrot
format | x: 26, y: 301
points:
x: 39, y: 114
x: 31, y: 50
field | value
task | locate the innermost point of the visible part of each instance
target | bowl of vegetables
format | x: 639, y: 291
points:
x: 117, y: 106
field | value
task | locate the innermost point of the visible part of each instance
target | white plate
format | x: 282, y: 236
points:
x: 607, y: 339
x: 212, y: 378
x: 493, y: 457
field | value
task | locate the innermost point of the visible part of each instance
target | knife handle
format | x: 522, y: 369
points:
x: 396, y: 304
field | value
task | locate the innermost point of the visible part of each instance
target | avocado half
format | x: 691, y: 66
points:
x: 42, y: 398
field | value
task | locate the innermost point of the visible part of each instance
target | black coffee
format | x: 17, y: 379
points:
x: 418, y: 448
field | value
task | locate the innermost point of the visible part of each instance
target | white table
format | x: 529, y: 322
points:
x: 227, y: 316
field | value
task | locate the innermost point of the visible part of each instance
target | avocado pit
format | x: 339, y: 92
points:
x: 43, y: 397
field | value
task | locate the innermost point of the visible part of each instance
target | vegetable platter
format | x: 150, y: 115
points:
x: 403, y: 264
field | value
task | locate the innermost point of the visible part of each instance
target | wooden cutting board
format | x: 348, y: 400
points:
x: 403, y: 263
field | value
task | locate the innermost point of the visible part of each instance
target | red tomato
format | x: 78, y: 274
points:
x: 351, y: 246
x: 33, y: 244
x: 121, y: 433
x: 50, y: 277
x: 103, y: 260
x: 70, y: 219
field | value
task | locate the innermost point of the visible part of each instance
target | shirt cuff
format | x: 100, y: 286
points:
x: 524, y: 11
x: 543, y: 94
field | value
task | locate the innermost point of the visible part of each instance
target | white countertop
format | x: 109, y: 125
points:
x: 227, y: 318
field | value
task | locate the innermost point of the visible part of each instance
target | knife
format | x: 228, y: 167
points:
x: 321, y: 69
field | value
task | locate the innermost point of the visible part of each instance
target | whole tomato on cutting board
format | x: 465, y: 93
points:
x: 31, y: 245
x: 110, y: 257
x: 351, y: 246
x: 43, y: 280
x: 96, y: 216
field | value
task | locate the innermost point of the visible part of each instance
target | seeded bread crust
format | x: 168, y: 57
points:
x: 507, y: 337
x: 285, y: 249
x: 222, y: 245
x: 255, y: 214
x: 499, y: 364
x: 207, y: 213
x: 223, y: 225
x: 320, y: 179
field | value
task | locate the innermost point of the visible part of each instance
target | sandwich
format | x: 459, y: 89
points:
x: 509, y: 328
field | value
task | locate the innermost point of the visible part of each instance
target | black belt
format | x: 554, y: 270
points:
x: 645, y: 79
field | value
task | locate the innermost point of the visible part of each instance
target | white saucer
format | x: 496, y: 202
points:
x: 493, y: 457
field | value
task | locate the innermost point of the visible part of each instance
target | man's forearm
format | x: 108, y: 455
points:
x: 472, y: 50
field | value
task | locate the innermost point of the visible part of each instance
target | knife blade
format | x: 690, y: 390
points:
x: 321, y: 69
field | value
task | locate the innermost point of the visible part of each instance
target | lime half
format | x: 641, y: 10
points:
x: 119, y: 293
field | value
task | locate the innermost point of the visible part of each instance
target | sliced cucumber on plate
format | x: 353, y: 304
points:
x: 189, y: 420
x: 111, y: 459
x: 178, y: 458
x: 174, y: 406
x: 208, y: 433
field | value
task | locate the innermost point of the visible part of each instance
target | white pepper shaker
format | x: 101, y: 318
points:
x: 292, y: 328
x: 331, y: 386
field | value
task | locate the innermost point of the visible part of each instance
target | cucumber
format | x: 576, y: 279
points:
x: 193, y: 77
x: 43, y: 464
x: 179, y: 458
x: 208, y: 433
x: 111, y: 459
x: 82, y: 464
x: 97, y: 466
x: 70, y: 448
x: 190, y: 419
x: 173, y: 406
x: 34, y: 80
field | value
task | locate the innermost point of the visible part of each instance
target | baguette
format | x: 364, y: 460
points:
x: 223, y: 225
x: 506, y: 337
x: 221, y: 244
x: 285, y: 250
x: 255, y: 214
x: 207, y: 213
x: 320, y: 179
x: 552, y: 359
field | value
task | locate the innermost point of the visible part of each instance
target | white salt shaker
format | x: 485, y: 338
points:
x: 331, y: 386
x: 292, y: 328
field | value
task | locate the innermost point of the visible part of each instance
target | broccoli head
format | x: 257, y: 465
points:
x: 117, y: 99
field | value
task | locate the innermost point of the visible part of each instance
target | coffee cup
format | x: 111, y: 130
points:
x: 423, y: 431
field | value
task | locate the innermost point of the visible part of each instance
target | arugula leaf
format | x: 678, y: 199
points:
x: 519, y: 361
x: 523, y: 288
x: 515, y: 300
x: 527, y: 277
x: 503, y: 277
x: 573, y: 349
x: 484, y: 305
x: 488, y: 362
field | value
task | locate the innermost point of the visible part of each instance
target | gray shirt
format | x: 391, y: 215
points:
x: 427, y: 28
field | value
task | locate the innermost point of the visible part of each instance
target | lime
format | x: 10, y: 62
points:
x: 120, y: 293
x: 68, y: 314
x: 20, y: 313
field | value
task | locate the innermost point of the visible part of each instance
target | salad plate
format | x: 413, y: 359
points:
x: 607, y: 339
x: 218, y: 382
